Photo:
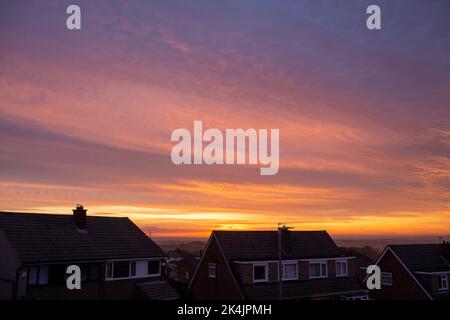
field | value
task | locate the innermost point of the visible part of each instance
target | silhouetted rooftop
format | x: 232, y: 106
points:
x: 55, y: 237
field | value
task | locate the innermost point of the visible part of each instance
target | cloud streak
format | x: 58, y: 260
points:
x: 365, y: 147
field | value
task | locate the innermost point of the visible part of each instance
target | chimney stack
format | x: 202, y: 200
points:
x: 283, y: 234
x: 79, y: 217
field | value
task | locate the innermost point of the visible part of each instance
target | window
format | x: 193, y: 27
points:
x: 211, y: 270
x: 38, y: 275
x: 290, y: 271
x: 260, y: 273
x: 341, y: 268
x: 132, y: 268
x: 109, y: 270
x: 121, y: 269
x: 154, y: 267
x: 386, y: 278
x: 443, y: 282
x: 318, y: 270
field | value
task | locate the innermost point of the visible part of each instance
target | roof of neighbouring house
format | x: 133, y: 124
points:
x: 422, y: 257
x: 55, y: 238
x: 158, y: 290
x: 263, y: 245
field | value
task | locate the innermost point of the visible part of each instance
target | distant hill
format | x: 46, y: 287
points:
x: 365, y: 254
x: 190, y: 248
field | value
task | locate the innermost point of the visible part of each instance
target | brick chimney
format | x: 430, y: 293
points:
x: 283, y: 234
x: 79, y: 217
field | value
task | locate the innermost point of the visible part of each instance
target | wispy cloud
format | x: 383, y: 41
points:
x: 87, y: 117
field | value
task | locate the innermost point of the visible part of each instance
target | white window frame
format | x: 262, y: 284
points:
x: 39, y: 278
x: 135, y: 271
x: 112, y: 271
x: 346, y: 268
x: 441, y: 277
x: 266, y: 271
x: 320, y: 268
x: 212, y: 274
x: 283, y: 264
x: 383, y: 279
x: 136, y: 276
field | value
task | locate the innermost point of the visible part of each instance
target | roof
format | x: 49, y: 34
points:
x: 422, y: 257
x: 303, y: 289
x: 55, y: 238
x: 158, y: 290
x: 263, y: 245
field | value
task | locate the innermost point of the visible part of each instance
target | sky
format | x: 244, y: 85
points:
x: 364, y: 116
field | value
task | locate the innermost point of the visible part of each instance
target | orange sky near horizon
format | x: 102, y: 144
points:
x: 364, y: 118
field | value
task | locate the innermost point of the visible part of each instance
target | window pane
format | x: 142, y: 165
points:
x: 154, y: 267
x: 109, y: 268
x: 317, y: 270
x: 312, y: 270
x: 290, y: 271
x: 442, y: 282
x: 212, y: 270
x: 259, y: 272
x: 133, y: 268
x: 323, y: 268
x: 341, y: 268
x: 121, y: 269
x: 43, y: 275
x: 386, y: 278
x: 32, y: 275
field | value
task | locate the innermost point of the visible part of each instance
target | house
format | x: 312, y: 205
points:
x: 414, y: 272
x: 186, y: 268
x: 117, y: 260
x: 250, y: 265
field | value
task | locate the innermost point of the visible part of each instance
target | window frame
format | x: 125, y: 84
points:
x: 38, y: 276
x: 130, y: 268
x: 342, y: 261
x: 266, y: 272
x: 212, y: 266
x: 441, y: 277
x: 111, y: 275
x: 389, y: 276
x: 133, y: 265
x: 283, y: 273
x: 320, y: 263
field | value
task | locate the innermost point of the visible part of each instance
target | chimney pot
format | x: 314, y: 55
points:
x: 79, y: 217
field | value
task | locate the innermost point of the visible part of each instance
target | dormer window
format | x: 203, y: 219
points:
x: 260, y: 273
x: 443, y: 282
